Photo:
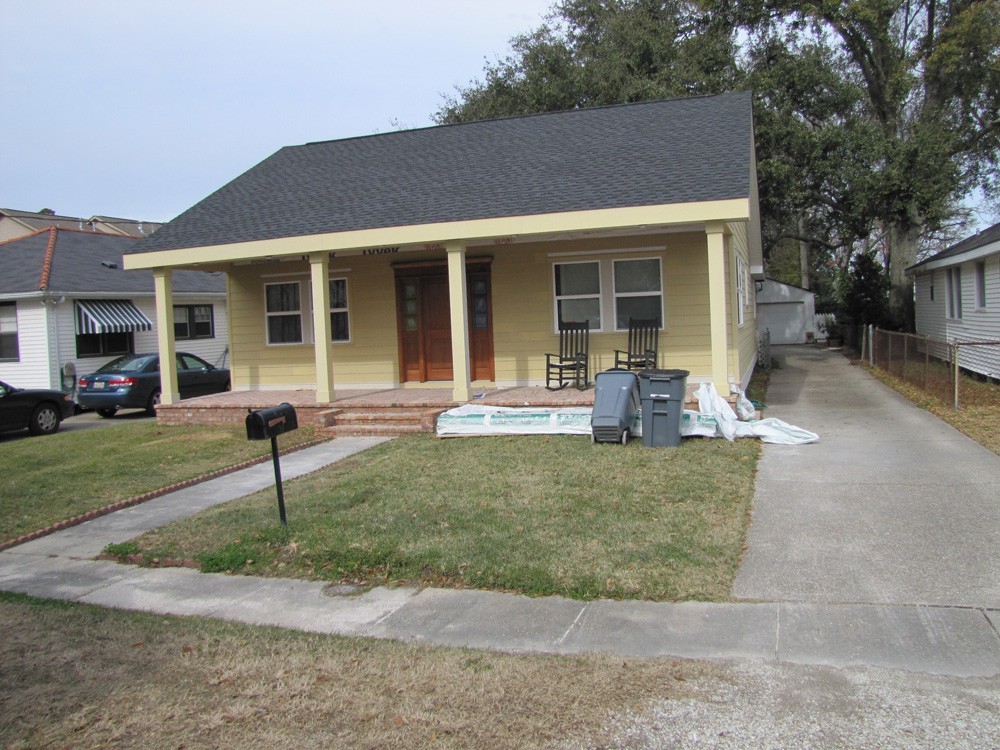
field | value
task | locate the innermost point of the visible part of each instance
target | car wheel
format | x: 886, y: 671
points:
x: 154, y: 401
x: 44, y: 420
x: 106, y: 413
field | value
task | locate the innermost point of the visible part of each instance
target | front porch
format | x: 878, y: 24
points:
x: 393, y: 411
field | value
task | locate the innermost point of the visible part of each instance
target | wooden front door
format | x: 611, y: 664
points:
x: 424, y: 324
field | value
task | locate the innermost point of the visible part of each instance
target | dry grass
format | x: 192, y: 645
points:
x: 979, y: 414
x: 78, y: 676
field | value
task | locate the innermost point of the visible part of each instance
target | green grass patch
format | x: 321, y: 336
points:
x: 50, y: 479
x: 538, y: 515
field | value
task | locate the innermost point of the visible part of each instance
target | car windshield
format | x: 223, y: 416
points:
x: 129, y: 363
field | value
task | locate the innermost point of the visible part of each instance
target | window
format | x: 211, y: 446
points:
x: 578, y: 293
x: 283, y: 311
x: 9, y: 350
x: 103, y: 344
x: 981, y: 284
x: 931, y: 277
x: 637, y: 291
x: 955, y: 293
x: 194, y: 322
x: 340, y: 329
x: 582, y: 291
x: 741, y: 289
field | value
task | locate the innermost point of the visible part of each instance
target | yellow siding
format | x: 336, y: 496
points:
x: 370, y: 358
x: 744, y: 348
x: 522, y: 304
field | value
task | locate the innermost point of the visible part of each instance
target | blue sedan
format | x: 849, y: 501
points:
x: 38, y: 409
x: 133, y: 382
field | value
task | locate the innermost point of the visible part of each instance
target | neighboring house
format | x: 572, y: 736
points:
x: 787, y: 311
x: 448, y: 255
x: 15, y: 224
x: 957, y: 298
x: 67, y: 306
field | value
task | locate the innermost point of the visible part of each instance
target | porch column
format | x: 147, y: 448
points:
x: 716, y: 240
x: 164, y: 288
x: 319, y: 266
x: 459, y: 306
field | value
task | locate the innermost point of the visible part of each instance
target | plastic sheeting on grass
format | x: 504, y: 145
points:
x: 714, y: 418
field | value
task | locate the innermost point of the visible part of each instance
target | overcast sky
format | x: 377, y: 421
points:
x: 141, y: 108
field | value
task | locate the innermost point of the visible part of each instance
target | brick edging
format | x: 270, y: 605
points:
x: 152, y: 494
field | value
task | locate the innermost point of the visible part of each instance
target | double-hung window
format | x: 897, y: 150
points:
x: 609, y: 290
x: 578, y: 293
x: 955, y: 293
x: 8, y: 332
x: 981, y: 285
x: 340, y: 328
x: 193, y: 322
x: 638, y: 291
x: 283, y: 311
x: 741, y: 290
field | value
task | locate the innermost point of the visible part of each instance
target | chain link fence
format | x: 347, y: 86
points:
x: 956, y: 372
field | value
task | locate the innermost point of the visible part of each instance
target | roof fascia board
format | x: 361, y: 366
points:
x: 956, y: 260
x: 736, y: 209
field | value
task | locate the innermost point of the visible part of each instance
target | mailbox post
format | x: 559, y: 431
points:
x: 269, y: 423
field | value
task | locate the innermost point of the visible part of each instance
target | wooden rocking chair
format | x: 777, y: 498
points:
x: 571, y: 364
x: 643, y: 341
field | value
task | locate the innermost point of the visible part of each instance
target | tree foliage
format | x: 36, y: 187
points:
x: 874, y: 118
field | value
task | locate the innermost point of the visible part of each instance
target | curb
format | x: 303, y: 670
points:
x: 151, y: 495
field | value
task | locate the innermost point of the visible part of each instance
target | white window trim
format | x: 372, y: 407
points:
x: 615, y: 294
x: 741, y: 291
x: 556, y: 298
x: 303, y: 319
x: 953, y: 279
x: 979, y: 282
x: 607, y: 295
x: 347, y: 290
x: 16, y: 332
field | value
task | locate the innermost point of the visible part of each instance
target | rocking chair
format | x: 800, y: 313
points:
x: 643, y: 340
x: 571, y: 364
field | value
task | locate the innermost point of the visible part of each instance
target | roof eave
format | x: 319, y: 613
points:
x: 957, y: 259
x: 533, y: 226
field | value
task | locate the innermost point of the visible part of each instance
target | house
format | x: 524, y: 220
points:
x: 67, y: 306
x: 14, y: 224
x: 787, y: 311
x: 447, y: 256
x: 957, y: 298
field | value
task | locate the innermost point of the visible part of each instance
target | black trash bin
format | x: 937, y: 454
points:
x: 616, y: 402
x: 662, y: 393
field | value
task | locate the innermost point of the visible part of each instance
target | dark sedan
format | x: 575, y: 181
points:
x: 133, y: 382
x: 39, y: 410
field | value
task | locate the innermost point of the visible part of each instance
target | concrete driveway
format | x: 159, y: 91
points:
x: 892, y: 506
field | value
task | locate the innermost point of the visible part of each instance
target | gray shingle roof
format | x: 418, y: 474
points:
x: 983, y: 238
x: 649, y: 153
x: 77, y: 266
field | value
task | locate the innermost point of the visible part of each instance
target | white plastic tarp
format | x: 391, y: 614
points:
x: 714, y: 418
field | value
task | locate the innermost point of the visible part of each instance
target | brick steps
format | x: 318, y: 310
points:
x: 378, y: 420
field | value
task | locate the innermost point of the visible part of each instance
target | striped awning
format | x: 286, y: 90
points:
x: 110, y: 316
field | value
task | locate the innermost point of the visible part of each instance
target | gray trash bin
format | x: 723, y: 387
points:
x: 616, y: 402
x: 662, y: 393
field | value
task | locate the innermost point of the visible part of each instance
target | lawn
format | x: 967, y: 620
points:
x: 48, y: 479
x: 80, y: 676
x: 538, y: 515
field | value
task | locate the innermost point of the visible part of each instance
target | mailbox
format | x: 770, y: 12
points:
x: 271, y: 422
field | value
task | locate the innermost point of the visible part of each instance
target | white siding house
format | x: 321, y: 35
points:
x: 957, y: 298
x: 787, y: 311
x: 52, y: 277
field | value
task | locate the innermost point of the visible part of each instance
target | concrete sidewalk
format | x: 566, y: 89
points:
x: 958, y: 638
